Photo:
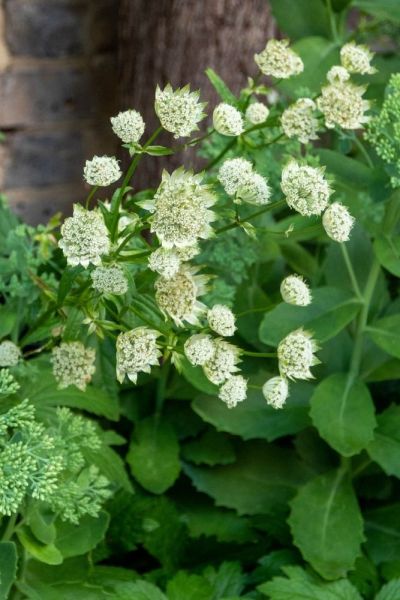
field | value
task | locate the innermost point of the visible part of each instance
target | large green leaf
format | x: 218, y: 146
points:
x: 300, y: 585
x: 386, y: 334
x: 8, y: 318
x: 74, y: 540
x: 327, y: 525
x: 390, y: 591
x: 8, y: 567
x: 263, y: 477
x: 387, y: 250
x: 47, y: 553
x: 196, y: 377
x: 185, y: 586
x: 307, y: 17
x: 154, y: 455
x: 347, y: 170
x: 343, y: 412
x: 205, y: 519
x: 382, y: 529
x: 385, y: 447
x: 330, y: 311
x: 383, y: 9
x: 212, y: 448
x: 254, y: 418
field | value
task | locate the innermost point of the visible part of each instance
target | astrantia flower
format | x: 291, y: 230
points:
x: 223, y: 363
x: 179, y: 111
x: 298, y: 120
x: 357, y: 58
x: 128, y: 126
x: 164, y: 262
x: 337, y: 74
x: 227, y: 120
x: 305, y: 188
x: 110, y: 280
x: 257, y: 113
x: 177, y: 296
x: 294, y: 290
x: 9, y: 354
x: 187, y: 253
x: 102, y: 170
x: 84, y: 237
x: 221, y: 320
x: 338, y: 222
x: 342, y: 104
x: 278, y: 60
x: 233, y: 391
x: 73, y: 364
x: 199, y: 349
x: 232, y: 172
x: 276, y: 391
x: 181, y: 209
x: 296, y: 355
x: 254, y: 189
x: 137, y: 351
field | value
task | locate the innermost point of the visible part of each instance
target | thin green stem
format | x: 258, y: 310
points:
x: 259, y: 354
x: 9, y: 530
x: 363, y: 151
x: 162, y: 387
x: 350, y: 270
x: 332, y: 21
x: 254, y: 215
x: 90, y: 196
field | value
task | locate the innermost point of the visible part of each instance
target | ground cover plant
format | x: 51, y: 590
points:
x: 199, y: 381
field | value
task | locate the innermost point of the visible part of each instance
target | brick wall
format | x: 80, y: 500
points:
x: 57, y: 92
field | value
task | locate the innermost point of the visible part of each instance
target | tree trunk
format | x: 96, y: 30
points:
x: 174, y: 41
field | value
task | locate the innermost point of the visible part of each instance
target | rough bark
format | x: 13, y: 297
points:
x: 176, y: 40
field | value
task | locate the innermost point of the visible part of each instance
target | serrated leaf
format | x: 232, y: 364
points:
x: 254, y: 418
x: 154, y: 455
x: 210, y: 521
x: 343, y: 412
x: 185, y: 586
x: 385, y: 447
x: 330, y: 311
x: 390, y: 591
x: 141, y: 590
x: 212, y: 448
x: 332, y: 538
x: 262, y: 477
x: 8, y: 567
x: 227, y: 581
x: 386, y: 334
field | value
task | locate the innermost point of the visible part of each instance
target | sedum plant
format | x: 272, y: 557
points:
x: 237, y: 325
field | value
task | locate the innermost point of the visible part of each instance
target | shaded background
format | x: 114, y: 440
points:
x: 66, y: 66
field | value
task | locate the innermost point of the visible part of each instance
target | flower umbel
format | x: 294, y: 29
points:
x: 357, y: 58
x: 305, y: 188
x: 276, y: 391
x: 223, y: 363
x: 137, y: 351
x: 221, y: 320
x: 177, y: 296
x: 164, y: 262
x: 73, y: 364
x: 102, y: 171
x: 84, y: 237
x: 278, y: 60
x: 338, y: 222
x: 179, y: 110
x: 9, y: 354
x: 128, y: 126
x: 342, y: 104
x: 257, y: 113
x: 227, y: 120
x: 296, y: 355
x: 110, y: 280
x: 199, y: 349
x: 294, y: 290
x: 232, y: 172
x: 233, y: 391
x: 299, y: 121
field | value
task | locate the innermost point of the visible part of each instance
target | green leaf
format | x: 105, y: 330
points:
x: 307, y: 18
x: 154, y: 455
x: 327, y: 525
x: 387, y: 251
x: 184, y: 586
x: 212, y: 448
x: 228, y: 580
x: 300, y: 585
x: 47, y: 553
x: 74, y: 540
x: 8, y: 318
x: 382, y: 529
x: 385, y: 447
x: 330, y: 311
x: 45, y: 393
x: 210, y: 521
x: 221, y: 88
x: 158, y: 151
x: 41, y: 524
x: 65, y: 283
x: 263, y: 477
x: 383, y: 9
x: 142, y: 590
x: 196, y: 377
x: 343, y: 412
x: 8, y: 567
x: 390, y: 591
x: 254, y: 418
x: 386, y: 334
x: 110, y: 464
x: 347, y: 170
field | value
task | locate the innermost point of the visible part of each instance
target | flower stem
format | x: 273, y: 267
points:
x: 350, y: 270
x: 162, y: 387
x: 90, y: 196
x: 259, y: 354
x: 254, y: 215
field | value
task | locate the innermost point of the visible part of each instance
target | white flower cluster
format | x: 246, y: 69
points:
x: 294, y: 290
x: 238, y: 179
x: 223, y: 362
x: 165, y: 262
x: 73, y: 364
x: 179, y: 111
x: 337, y: 74
x: 357, y: 59
x: 84, y: 237
x: 233, y: 391
x: 177, y: 296
x: 9, y: 354
x: 257, y: 113
x: 128, y: 126
x: 227, y: 120
x: 305, y: 188
x: 110, y: 280
x: 221, y: 320
x: 181, y: 209
x: 199, y: 349
x: 341, y: 102
x: 296, y: 355
x: 102, y: 171
x: 338, y: 222
x: 278, y: 60
x: 276, y: 391
x: 137, y: 351
x: 299, y: 121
